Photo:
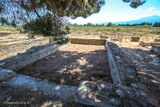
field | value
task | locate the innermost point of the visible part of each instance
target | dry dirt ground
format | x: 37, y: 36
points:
x: 72, y: 64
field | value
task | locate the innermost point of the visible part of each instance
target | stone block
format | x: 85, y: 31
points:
x: 6, y: 74
x: 54, y: 90
x: 157, y: 40
x: 103, y: 36
x: 33, y: 54
x: 142, y: 43
x: 88, y: 41
x: 156, y: 49
x: 121, y: 69
x: 135, y: 39
x: 114, y: 40
x: 99, y: 94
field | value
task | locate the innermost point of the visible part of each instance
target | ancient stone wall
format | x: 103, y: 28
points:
x: 122, y: 72
x: 88, y: 41
x: 31, y: 55
x: 124, y: 78
x: 22, y: 46
x: 142, y: 43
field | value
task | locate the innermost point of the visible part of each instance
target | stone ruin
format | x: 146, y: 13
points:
x: 125, y: 90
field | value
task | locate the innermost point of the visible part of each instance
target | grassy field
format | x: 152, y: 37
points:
x: 7, y: 28
x: 114, y: 29
x: 117, y: 29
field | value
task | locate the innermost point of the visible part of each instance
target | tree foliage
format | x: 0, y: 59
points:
x: 49, y: 24
x: 27, y: 12
x: 157, y: 24
x: 71, y: 8
x: 135, y: 3
x: 109, y: 24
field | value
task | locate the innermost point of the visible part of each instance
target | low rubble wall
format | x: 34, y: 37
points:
x: 31, y: 55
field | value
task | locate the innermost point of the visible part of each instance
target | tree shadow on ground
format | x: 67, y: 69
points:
x: 64, y: 67
x: 71, y: 67
x: 19, y: 97
x: 147, y: 67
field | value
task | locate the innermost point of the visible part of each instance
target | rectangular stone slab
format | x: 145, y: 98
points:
x: 121, y: 71
x: 135, y: 39
x: 157, y: 40
x: 54, y: 90
x: 142, y: 43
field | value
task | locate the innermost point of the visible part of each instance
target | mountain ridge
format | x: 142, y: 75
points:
x: 150, y: 19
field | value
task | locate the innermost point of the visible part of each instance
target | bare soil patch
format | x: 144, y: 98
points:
x: 72, y: 64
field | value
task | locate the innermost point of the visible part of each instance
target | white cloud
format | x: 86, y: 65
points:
x: 151, y: 9
x: 112, y: 14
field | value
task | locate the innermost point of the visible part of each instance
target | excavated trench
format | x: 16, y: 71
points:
x: 71, y: 65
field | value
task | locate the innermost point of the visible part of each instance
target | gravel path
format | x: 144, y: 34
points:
x: 72, y: 64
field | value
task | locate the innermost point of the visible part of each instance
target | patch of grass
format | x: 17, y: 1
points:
x: 139, y: 30
x: 7, y: 28
x: 156, y: 33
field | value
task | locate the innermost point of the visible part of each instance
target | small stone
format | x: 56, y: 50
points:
x: 6, y: 74
x: 120, y: 93
x: 45, y: 93
x: 115, y: 101
x: 35, y: 89
x: 9, y: 98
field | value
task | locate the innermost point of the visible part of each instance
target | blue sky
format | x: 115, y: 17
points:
x: 117, y: 10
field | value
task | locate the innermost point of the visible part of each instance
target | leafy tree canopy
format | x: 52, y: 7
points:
x: 20, y: 12
x: 72, y: 8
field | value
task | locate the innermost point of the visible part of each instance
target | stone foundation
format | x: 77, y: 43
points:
x: 149, y: 43
x: 57, y: 91
x: 135, y: 39
x: 124, y: 78
x: 125, y: 91
x: 88, y: 41
x: 21, y: 46
x: 33, y: 54
x: 157, y: 40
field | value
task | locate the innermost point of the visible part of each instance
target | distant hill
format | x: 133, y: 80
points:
x: 151, y: 19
